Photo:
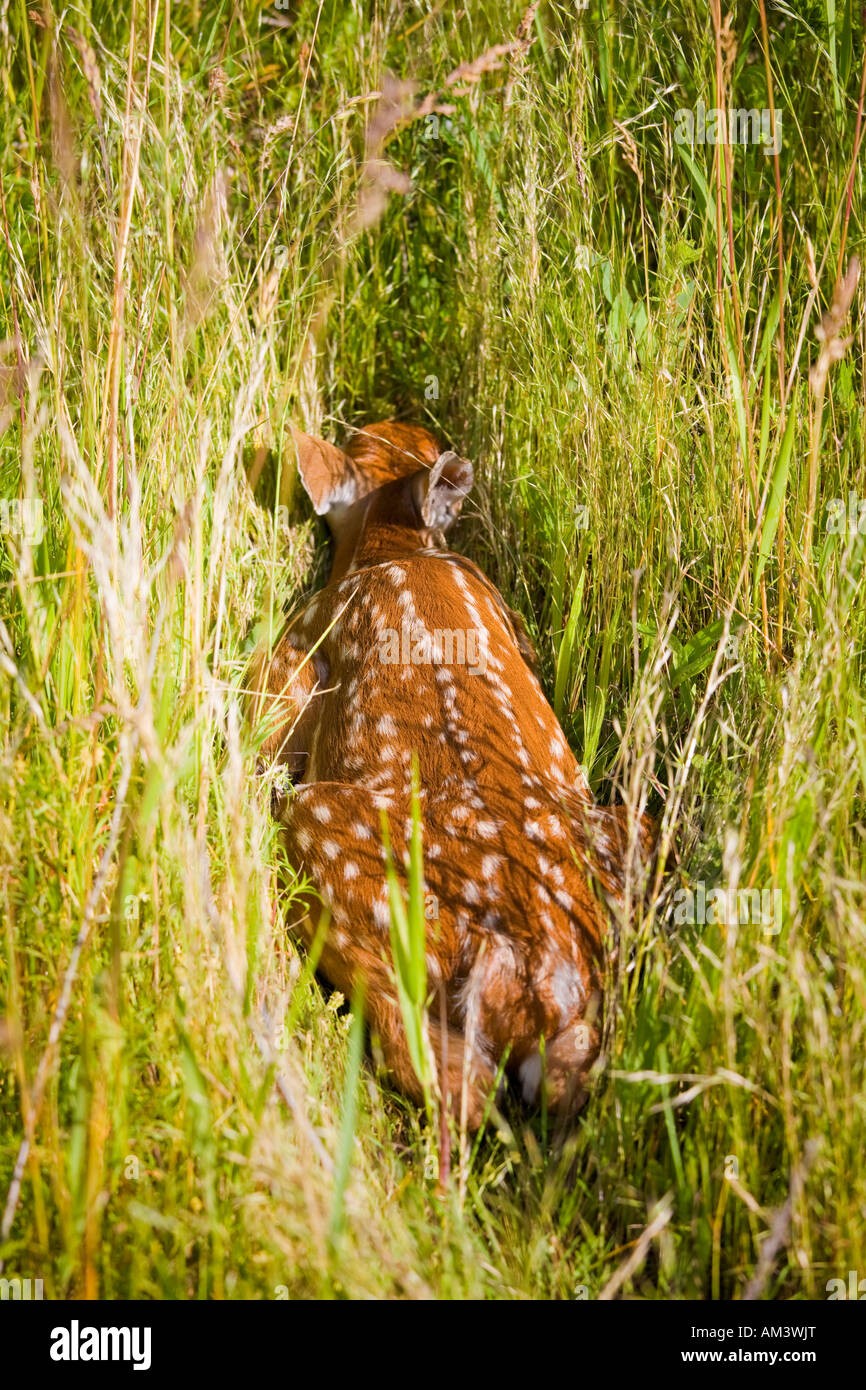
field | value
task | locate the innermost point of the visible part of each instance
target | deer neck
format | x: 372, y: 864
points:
x: 360, y: 545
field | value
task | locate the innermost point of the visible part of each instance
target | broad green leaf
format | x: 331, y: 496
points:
x: 697, y: 654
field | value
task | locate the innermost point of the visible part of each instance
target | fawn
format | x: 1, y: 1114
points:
x: 410, y: 649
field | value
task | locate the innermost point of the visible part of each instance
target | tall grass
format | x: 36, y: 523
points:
x: 196, y: 249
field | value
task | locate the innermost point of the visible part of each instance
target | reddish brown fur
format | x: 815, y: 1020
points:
x: 511, y: 834
x: 389, y: 450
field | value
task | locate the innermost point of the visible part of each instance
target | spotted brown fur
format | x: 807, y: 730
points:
x: 512, y: 836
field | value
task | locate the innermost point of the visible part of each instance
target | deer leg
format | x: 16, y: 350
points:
x: 566, y: 1063
x: 459, y: 1071
x: 331, y: 831
x: 346, y: 960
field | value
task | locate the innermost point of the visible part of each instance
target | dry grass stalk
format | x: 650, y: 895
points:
x: 833, y: 348
x: 91, y: 71
x: 207, y: 268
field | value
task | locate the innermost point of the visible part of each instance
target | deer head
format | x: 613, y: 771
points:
x: 410, y: 651
x: 390, y: 478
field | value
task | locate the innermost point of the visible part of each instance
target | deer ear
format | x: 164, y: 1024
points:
x: 328, y: 475
x: 445, y: 486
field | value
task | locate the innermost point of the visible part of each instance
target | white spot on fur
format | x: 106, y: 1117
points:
x: 490, y: 865
x: 567, y: 991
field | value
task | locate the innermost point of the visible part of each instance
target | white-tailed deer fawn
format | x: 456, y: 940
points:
x: 410, y: 650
